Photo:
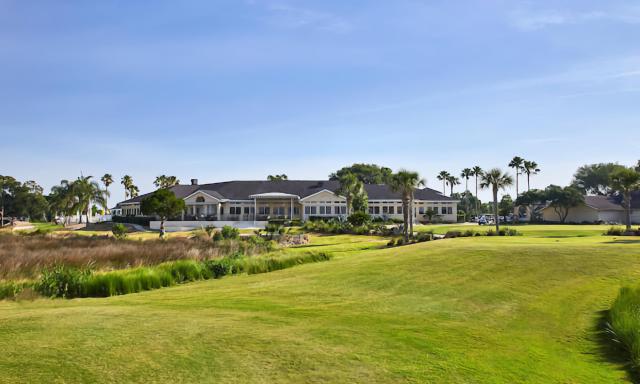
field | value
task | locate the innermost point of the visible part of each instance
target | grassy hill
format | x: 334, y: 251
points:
x: 466, y: 310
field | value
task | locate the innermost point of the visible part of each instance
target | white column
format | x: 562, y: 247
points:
x: 291, y: 211
x: 255, y: 210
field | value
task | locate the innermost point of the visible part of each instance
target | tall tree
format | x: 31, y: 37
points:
x: 595, y: 178
x: 444, y: 176
x: 282, y: 177
x: 367, y: 173
x: 516, y: 163
x: 563, y: 199
x: 127, y: 182
x: 530, y: 168
x: 466, y: 175
x: 164, y: 181
x: 88, y: 191
x: 496, y: 180
x: 452, y: 181
x: 477, y: 172
x: 7, y: 183
x: 530, y: 198
x: 62, y: 200
x: 625, y: 181
x: 107, y: 180
x: 350, y: 187
x: 163, y: 203
x: 406, y: 182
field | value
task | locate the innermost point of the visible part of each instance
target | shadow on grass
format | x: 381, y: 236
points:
x: 612, y: 351
x: 623, y: 241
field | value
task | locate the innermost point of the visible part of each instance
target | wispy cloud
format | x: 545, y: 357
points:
x: 284, y: 15
x: 529, y: 19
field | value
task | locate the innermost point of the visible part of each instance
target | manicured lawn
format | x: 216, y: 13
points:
x: 466, y: 310
x: 531, y: 230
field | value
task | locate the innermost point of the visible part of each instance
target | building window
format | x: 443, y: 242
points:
x: 328, y: 210
x: 421, y: 210
x: 391, y: 210
x: 235, y: 210
x: 296, y: 210
x: 385, y: 210
x: 400, y: 210
x: 263, y: 210
x: 444, y: 210
x: 371, y: 210
x: 376, y: 210
x: 450, y: 210
x: 199, y: 199
x: 247, y: 210
x: 322, y: 209
x: 278, y: 211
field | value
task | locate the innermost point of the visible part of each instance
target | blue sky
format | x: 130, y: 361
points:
x: 220, y: 90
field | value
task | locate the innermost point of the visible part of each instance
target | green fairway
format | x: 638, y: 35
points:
x: 531, y: 230
x: 466, y: 310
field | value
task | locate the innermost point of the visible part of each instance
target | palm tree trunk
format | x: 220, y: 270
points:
x: 444, y: 187
x: 405, y: 216
x: 477, y: 200
x: 528, y: 181
x: 162, y: 232
x: 411, y: 217
x: 495, y: 208
x: 627, y: 198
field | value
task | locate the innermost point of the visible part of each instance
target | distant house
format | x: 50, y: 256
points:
x: 607, y: 209
x: 253, y: 203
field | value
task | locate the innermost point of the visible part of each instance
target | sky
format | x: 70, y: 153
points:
x: 236, y: 90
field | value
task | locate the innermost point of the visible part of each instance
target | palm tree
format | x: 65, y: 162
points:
x: 406, y: 182
x: 530, y: 168
x: 452, y: 181
x: 350, y: 187
x: 127, y: 182
x: 443, y: 176
x: 466, y: 175
x: 88, y: 191
x: 516, y: 163
x: 63, y: 200
x: 163, y: 181
x: 107, y: 180
x: 625, y: 181
x: 496, y: 180
x: 133, y: 191
x: 477, y: 172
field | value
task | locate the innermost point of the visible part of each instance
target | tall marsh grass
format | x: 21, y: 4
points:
x: 624, y: 322
x: 70, y: 282
x: 24, y: 257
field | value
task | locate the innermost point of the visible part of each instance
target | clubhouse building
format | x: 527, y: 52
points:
x: 247, y: 204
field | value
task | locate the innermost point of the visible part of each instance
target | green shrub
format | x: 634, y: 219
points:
x: 217, y: 236
x: 614, y: 231
x: 9, y: 290
x: 209, y: 229
x: 452, y: 234
x: 491, y: 232
x: 512, y: 232
x: 62, y: 281
x: 400, y: 241
x: 425, y: 236
x: 391, y: 243
x: 229, y: 232
x: 468, y: 233
x: 359, y: 219
x: 624, y: 322
x: 119, y: 231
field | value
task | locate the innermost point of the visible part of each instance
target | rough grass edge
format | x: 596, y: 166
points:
x: 66, y: 282
x: 624, y: 323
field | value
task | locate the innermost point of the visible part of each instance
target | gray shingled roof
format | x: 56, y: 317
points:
x: 603, y: 203
x: 241, y: 190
